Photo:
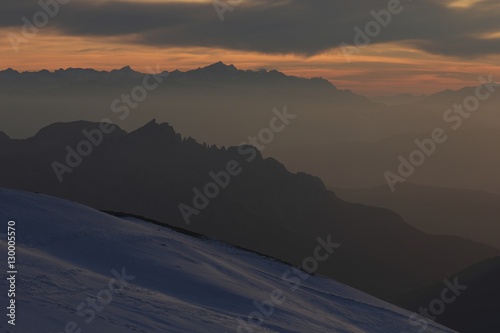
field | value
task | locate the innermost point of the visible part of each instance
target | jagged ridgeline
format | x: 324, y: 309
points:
x: 153, y: 170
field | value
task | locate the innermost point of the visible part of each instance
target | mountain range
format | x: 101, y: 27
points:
x: 153, y: 170
x: 347, y: 140
x: 398, y: 246
x: 465, y: 213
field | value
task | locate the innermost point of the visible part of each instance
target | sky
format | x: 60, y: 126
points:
x: 373, y: 47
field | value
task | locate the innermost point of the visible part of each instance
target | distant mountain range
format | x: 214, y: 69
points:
x: 265, y: 208
x: 45, y: 80
x: 443, y: 211
x: 346, y: 139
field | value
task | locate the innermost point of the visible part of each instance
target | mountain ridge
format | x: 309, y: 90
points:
x: 165, y: 281
x: 218, y: 69
x: 152, y: 170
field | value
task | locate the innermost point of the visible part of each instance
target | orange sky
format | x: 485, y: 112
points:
x: 378, y: 70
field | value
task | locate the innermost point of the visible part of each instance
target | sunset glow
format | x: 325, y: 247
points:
x: 381, y: 68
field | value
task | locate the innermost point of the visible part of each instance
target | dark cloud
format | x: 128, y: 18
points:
x: 303, y: 27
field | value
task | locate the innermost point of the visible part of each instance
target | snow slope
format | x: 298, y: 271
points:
x: 66, y: 253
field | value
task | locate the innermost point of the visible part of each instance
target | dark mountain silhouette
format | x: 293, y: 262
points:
x: 476, y: 308
x: 465, y: 213
x: 152, y: 170
x: 236, y: 101
x: 346, y: 139
x: 45, y: 80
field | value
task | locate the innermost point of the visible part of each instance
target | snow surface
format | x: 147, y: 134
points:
x: 66, y: 252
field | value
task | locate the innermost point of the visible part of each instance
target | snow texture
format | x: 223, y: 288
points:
x: 66, y: 253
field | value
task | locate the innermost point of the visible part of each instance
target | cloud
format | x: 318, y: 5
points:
x: 305, y: 27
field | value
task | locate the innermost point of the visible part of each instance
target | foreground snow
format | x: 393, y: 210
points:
x: 170, y: 282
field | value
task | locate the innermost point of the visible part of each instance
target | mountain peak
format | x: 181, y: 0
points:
x: 127, y: 69
x: 153, y: 123
x: 220, y: 66
x: 10, y: 71
x: 71, y: 129
x: 153, y: 127
x: 126, y: 72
